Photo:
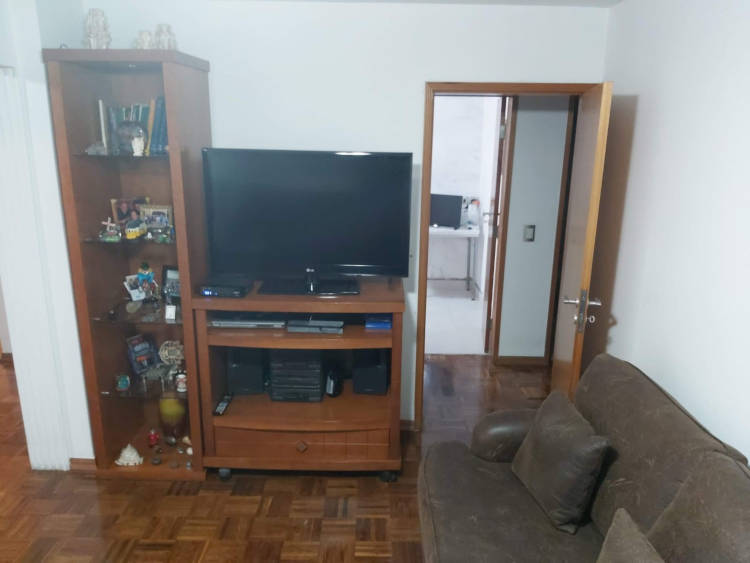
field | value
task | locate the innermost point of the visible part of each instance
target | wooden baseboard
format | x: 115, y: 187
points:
x: 522, y: 361
x: 80, y: 465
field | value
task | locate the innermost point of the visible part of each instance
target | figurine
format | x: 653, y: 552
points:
x: 170, y: 440
x: 156, y: 460
x: 180, y: 381
x: 187, y: 441
x: 189, y: 450
x: 164, y: 38
x: 153, y: 438
x: 138, y: 144
x: 144, y: 40
x: 146, y: 281
x: 129, y: 456
x: 111, y: 231
x: 97, y: 30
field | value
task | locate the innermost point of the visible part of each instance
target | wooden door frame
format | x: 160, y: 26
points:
x: 433, y: 89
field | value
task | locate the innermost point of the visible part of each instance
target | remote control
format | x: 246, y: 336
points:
x: 221, y: 408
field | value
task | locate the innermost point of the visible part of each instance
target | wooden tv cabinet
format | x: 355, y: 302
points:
x: 350, y: 432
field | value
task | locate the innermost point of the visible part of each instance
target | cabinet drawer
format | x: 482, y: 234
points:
x: 238, y: 442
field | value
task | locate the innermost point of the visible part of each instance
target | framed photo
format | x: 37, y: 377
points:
x: 156, y: 216
x: 170, y: 283
x: 134, y: 288
x: 124, y: 210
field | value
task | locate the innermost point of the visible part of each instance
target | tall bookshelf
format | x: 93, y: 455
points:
x: 77, y: 79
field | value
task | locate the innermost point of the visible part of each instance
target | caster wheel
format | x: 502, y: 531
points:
x: 388, y: 476
x: 225, y: 474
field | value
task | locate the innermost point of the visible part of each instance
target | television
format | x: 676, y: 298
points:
x: 276, y: 214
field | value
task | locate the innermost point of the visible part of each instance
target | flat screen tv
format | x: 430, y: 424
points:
x: 279, y: 213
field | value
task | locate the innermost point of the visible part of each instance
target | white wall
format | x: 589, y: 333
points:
x: 464, y: 160
x: 677, y: 201
x: 33, y: 255
x: 541, y: 125
x: 317, y: 75
x: 4, y: 334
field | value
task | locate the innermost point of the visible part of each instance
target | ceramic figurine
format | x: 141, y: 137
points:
x: 180, y: 381
x: 97, y: 30
x: 144, y: 40
x: 153, y: 438
x: 187, y: 441
x: 129, y: 456
x: 111, y: 231
x: 189, y: 451
x: 164, y: 38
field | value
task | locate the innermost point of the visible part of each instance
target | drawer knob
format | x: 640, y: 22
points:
x: 301, y: 446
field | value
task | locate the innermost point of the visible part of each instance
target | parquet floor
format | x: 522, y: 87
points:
x: 56, y: 516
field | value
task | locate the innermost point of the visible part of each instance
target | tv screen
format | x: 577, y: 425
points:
x: 274, y: 213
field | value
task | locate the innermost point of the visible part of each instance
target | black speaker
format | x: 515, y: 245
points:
x: 245, y: 371
x: 371, y: 373
x: 445, y: 210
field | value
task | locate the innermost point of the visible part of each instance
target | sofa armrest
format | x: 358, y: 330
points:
x: 498, y: 435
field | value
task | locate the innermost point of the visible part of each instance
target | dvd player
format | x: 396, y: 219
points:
x: 226, y: 286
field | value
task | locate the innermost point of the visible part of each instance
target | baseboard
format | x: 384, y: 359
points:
x: 81, y: 465
x: 522, y: 361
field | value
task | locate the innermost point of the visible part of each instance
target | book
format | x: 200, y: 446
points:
x: 114, y: 142
x: 150, y: 125
x: 158, y: 124
x: 104, y: 125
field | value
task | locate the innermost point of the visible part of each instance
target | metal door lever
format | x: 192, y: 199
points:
x: 569, y: 301
x: 595, y: 302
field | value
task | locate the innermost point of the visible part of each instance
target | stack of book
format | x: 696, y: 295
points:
x: 151, y: 116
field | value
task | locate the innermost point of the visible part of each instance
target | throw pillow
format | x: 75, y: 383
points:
x: 559, y: 461
x: 625, y: 543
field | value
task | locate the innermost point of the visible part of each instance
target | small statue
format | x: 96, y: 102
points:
x: 97, y: 30
x: 129, y: 456
x: 144, y: 40
x: 153, y: 438
x: 111, y: 231
x: 145, y: 274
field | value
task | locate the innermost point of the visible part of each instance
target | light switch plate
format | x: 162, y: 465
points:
x: 529, y: 233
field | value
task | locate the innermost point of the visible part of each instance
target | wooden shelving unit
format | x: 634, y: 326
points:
x: 348, y: 432
x: 77, y: 79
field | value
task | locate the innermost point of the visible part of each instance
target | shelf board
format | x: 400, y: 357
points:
x: 377, y: 295
x: 124, y: 156
x: 348, y: 411
x: 354, y: 337
x: 147, y: 314
x: 152, y: 390
x: 124, y: 243
x: 148, y: 471
x: 126, y: 59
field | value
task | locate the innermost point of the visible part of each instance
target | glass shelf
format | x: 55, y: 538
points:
x: 149, y: 313
x: 143, y: 390
x: 160, y: 156
x: 124, y: 243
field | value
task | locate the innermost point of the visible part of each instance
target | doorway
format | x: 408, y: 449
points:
x: 534, y: 258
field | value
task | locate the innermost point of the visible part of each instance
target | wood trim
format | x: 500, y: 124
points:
x: 408, y: 425
x: 479, y: 88
x: 6, y: 358
x: 522, y: 361
x: 560, y: 231
x: 509, y: 88
x: 316, y: 464
x: 489, y: 283
x: 502, y: 241
x: 81, y: 465
x: 125, y: 56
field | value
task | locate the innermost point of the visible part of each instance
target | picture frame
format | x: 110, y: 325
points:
x: 156, y: 216
x: 170, y: 283
x: 123, y: 208
x: 134, y: 288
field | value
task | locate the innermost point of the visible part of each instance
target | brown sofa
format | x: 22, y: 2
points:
x: 473, y: 508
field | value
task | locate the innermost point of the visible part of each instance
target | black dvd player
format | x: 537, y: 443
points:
x: 226, y: 286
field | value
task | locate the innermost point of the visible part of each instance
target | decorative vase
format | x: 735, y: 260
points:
x: 144, y: 40
x: 164, y: 38
x: 97, y: 30
x: 172, y: 413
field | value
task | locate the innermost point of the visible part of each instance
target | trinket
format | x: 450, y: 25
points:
x: 153, y: 438
x: 189, y: 451
x: 111, y: 231
x: 129, y: 456
x: 186, y: 440
x: 170, y: 440
x: 180, y: 450
x: 180, y: 381
x: 122, y: 382
x: 188, y: 465
x: 156, y: 460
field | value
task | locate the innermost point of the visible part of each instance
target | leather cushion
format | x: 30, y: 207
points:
x: 625, y: 543
x: 654, y: 442
x: 472, y: 510
x: 709, y: 519
x: 559, y: 461
x: 498, y: 435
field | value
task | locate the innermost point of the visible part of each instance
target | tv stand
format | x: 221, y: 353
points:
x: 310, y: 285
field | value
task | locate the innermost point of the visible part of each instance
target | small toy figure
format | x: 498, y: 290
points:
x: 146, y: 281
x: 129, y: 456
x: 122, y: 383
x: 153, y: 438
x: 180, y: 381
x: 111, y: 231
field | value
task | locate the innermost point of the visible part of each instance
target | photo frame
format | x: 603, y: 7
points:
x: 134, y: 288
x: 170, y: 283
x: 156, y: 216
x: 123, y: 208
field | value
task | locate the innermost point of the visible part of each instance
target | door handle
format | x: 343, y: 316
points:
x: 569, y: 301
x: 595, y: 302
x: 591, y: 303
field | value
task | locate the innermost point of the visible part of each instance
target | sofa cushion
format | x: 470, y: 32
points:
x: 476, y: 510
x: 654, y: 442
x: 559, y: 461
x: 625, y: 543
x: 709, y: 518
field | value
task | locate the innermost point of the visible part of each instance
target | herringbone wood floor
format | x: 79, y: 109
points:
x: 55, y: 516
